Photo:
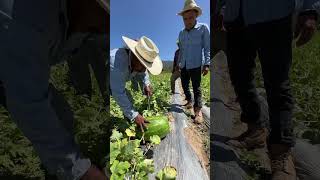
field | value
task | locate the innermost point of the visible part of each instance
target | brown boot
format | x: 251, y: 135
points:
x: 188, y: 105
x: 282, y: 162
x: 255, y: 137
x: 93, y: 173
x: 198, y: 116
x: 251, y: 129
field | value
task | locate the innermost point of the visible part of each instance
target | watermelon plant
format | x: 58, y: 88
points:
x: 127, y: 159
x: 167, y: 173
x: 205, y: 87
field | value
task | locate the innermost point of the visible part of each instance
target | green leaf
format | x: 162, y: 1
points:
x: 114, y: 151
x: 130, y: 149
x: 117, y: 177
x: 155, y: 139
x: 148, y: 162
x: 160, y: 175
x: 130, y: 133
x: 116, y: 135
x: 167, y: 173
x: 120, y: 168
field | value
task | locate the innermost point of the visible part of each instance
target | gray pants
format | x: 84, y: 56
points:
x: 28, y: 43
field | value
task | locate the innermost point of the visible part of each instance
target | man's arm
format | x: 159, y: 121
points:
x: 180, y: 53
x: 175, y: 59
x: 146, y: 79
x: 117, y: 84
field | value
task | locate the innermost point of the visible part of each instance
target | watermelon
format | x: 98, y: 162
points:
x: 159, y: 125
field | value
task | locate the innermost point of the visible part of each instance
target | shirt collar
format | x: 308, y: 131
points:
x: 195, y: 26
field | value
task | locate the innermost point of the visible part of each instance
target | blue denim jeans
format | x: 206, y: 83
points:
x: 28, y: 44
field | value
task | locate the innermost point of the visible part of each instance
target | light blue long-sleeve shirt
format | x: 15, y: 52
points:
x: 120, y: 73
x: 194, y: 47
x: 264, y: 10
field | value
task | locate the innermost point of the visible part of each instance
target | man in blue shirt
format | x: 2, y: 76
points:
x: 126, y: 63
x: 265, y: 28
x: 194, y: 42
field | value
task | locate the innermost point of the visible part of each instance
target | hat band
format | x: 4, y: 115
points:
x: 146, y: 55
x: 150, y: 61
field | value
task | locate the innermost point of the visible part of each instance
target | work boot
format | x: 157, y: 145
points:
x: 198, y: 115
x: 255, y: 137
x: 250, y: 129
x: 188, y: 105
x: 93, y: 173
x: 282, y: 162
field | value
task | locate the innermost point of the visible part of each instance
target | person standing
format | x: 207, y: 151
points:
x: 194, y: 41
x: 265, y: 28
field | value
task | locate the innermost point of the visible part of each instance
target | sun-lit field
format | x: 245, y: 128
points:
x: 159, y: 106
x: 18, y: 160
x: 125, y: 134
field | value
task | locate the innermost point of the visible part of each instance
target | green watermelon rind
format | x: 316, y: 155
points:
x: 153, y: 129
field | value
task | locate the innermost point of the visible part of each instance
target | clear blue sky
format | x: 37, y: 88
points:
x: 155, y: 19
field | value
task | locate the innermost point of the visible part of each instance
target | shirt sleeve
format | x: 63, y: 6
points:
x: 117, y: 83
x: 206, y: 45
x: 146, y: 79
x: 180, y: 54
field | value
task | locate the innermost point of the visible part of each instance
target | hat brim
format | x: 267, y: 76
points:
x: 190, y: 8
x: 154, y: 68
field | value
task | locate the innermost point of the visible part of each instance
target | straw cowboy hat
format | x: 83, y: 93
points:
x: 147, y: 53
x: 189, y: 5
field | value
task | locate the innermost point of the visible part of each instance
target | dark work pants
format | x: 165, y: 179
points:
x: 28, y: 44
x: 195, y: 76
x: 92, y: 52
x: 272, y: 42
